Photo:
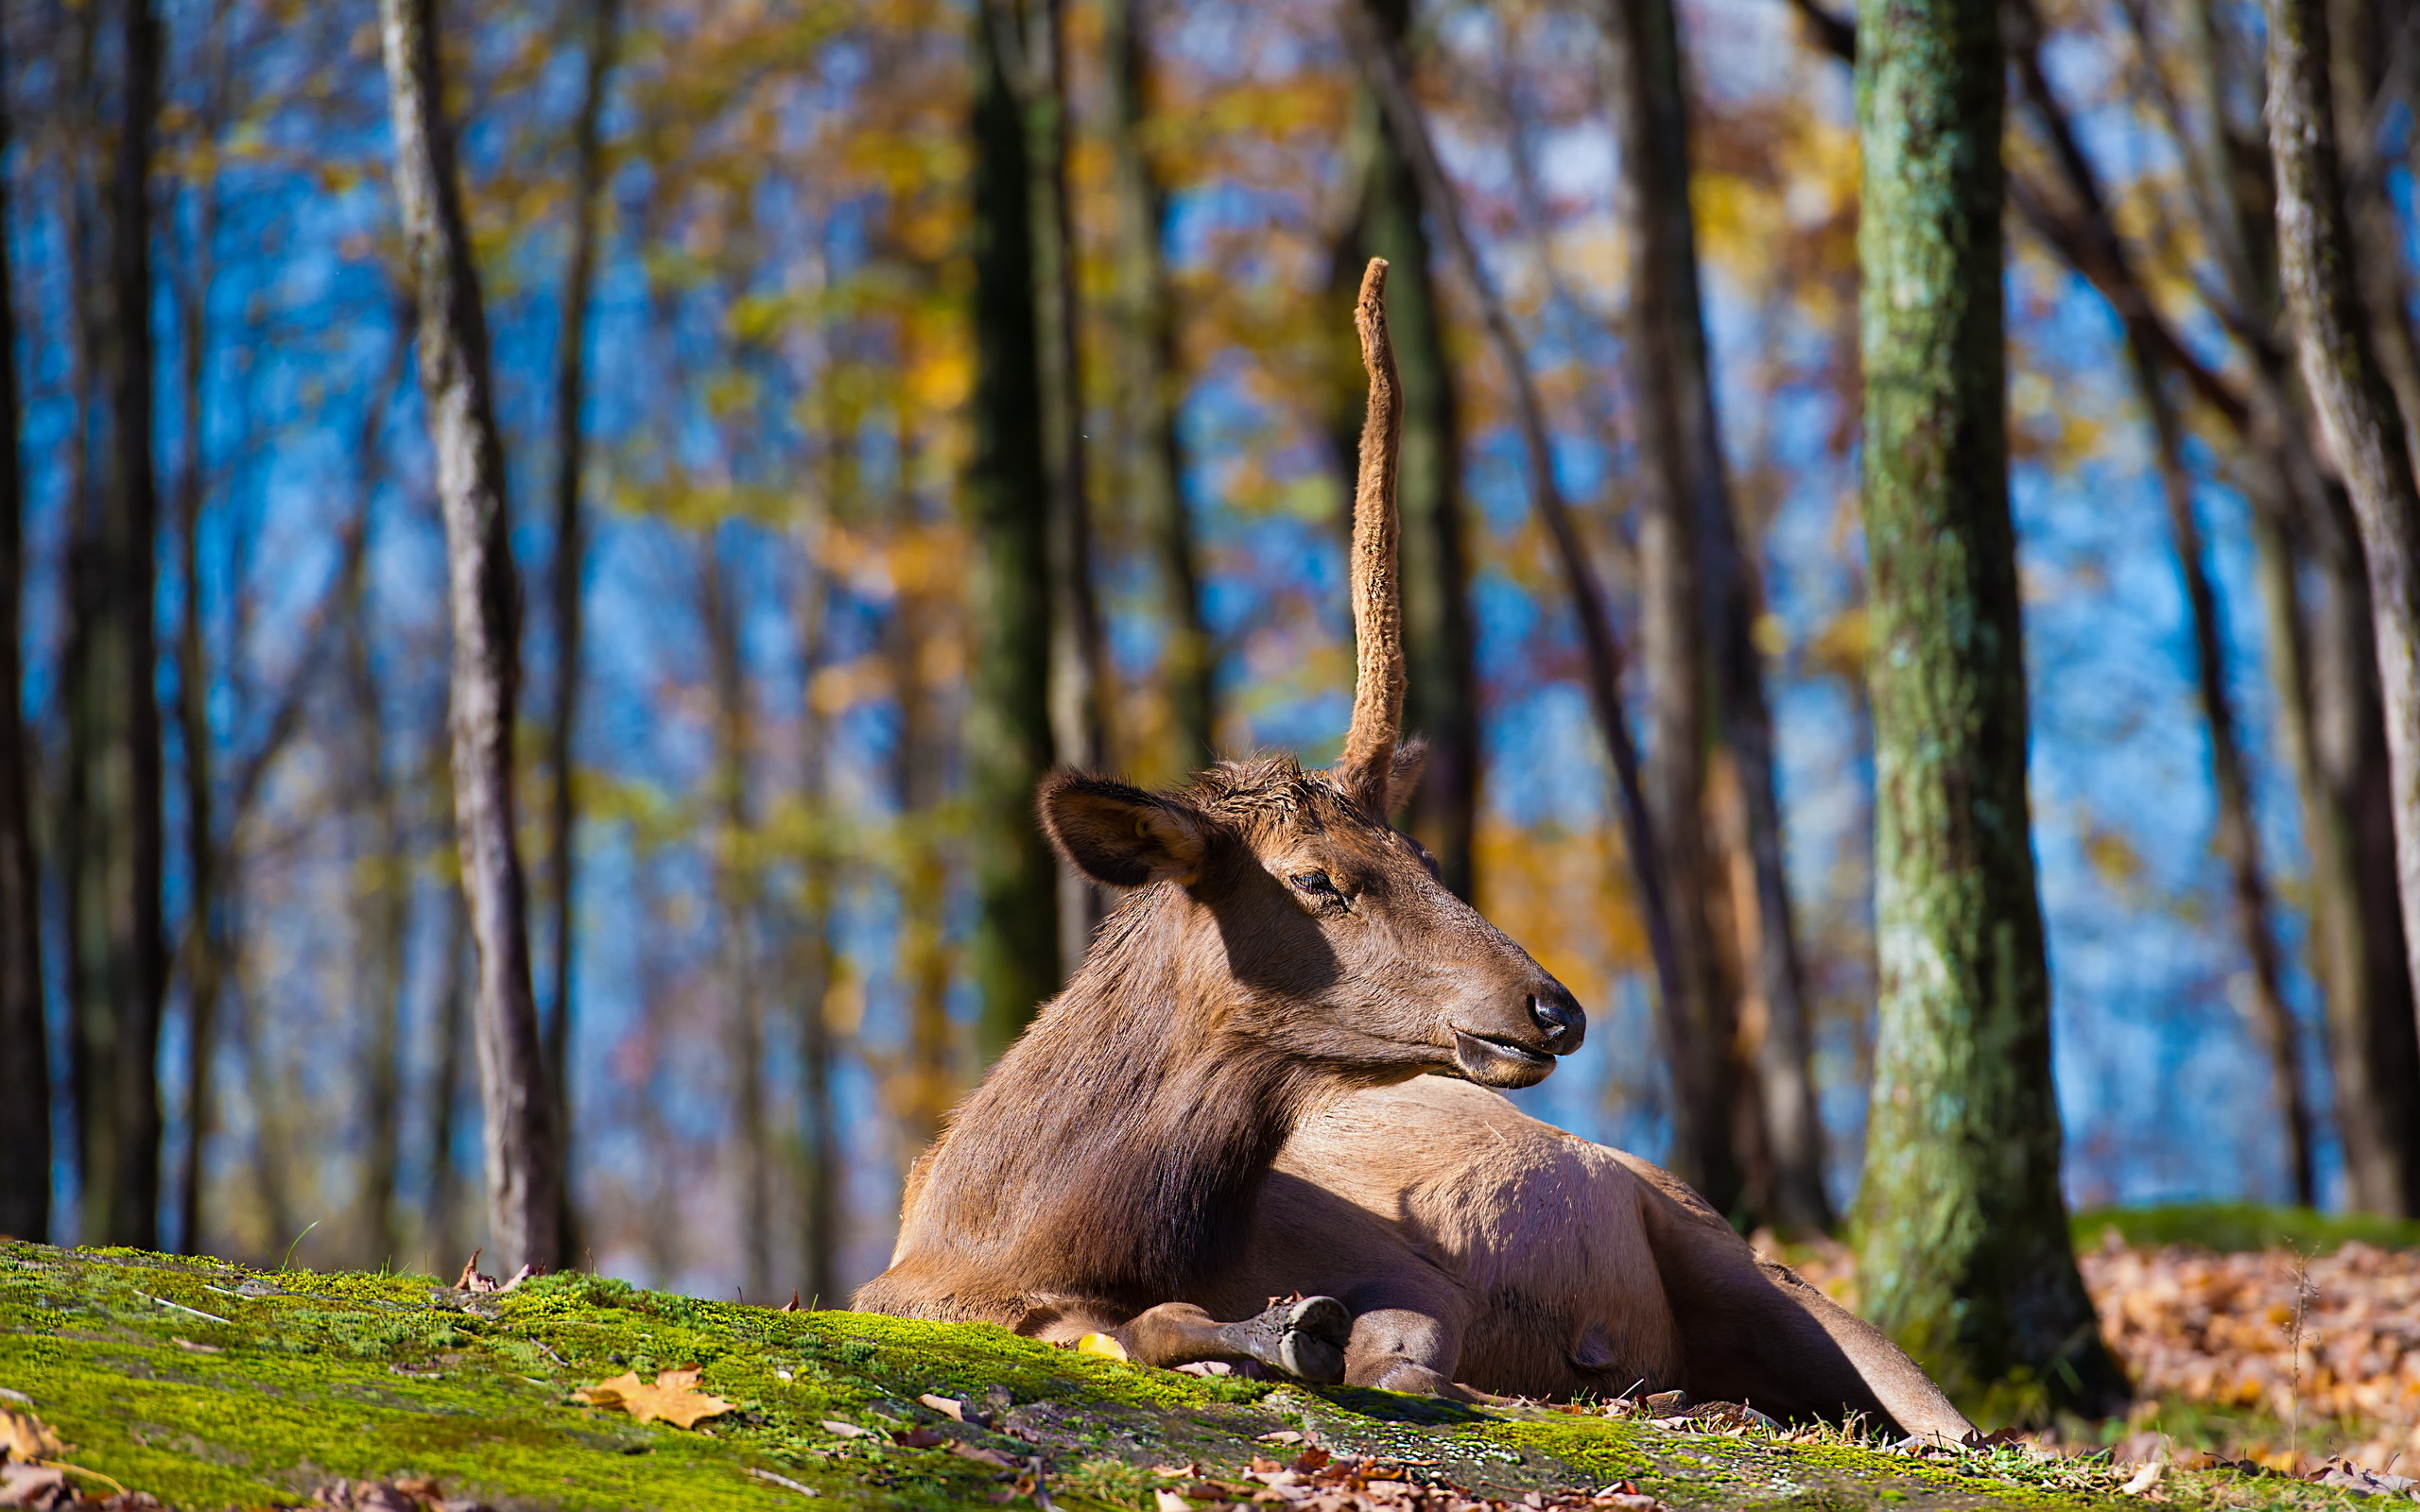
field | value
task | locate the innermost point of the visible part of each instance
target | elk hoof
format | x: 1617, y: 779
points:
x: 1305, y: 1339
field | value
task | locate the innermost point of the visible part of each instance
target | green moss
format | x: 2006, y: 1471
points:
x: 212, y: 1386
x: 2231, y: 1227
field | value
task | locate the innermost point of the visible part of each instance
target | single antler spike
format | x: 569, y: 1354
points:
x: 1377, y: 592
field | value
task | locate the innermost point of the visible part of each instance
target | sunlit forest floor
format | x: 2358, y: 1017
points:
x: 209, y: 1385
x: 2280, y: 1337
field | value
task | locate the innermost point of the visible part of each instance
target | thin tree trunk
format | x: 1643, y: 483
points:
x: 1031, y: 36
x: 440, y: 1207
x: 117, y: 978
x: 571, y: 372
x: 2237, y: 837
x: 2356, y: 409
x: 382, y: 922
x: 1965, y: 1253
x: 1152, y: 387
x: 1009, y: 740
x: 1441, y: 697
x: 736, y: 902
x: 926, y: 1084
x: 1601, y: 649
x: 523, y: 1162
x: 821, y: 1167
x: 25, y: 1052
x: 1684, y: 535
x: 2326, y: 670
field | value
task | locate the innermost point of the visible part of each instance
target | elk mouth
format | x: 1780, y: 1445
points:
x: 1494, y: 1062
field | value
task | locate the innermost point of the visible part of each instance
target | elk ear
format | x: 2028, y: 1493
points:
x: 1120, y: 834
x: 1403, y: 773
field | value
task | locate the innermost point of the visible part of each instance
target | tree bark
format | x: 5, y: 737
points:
x: 2238, y: 832
x: 2325, y: 671
x: 455, y: 986
x: 1698, y: 639
x: 821, y: 1166
x: 1440, y: 694
x: 571, y: 374
x: 118, y: 967
x: 1154, y: 386
x: 1965, y: 1254
x: 1031, y: 37
x: 523, y: 1162
x: 1600, y: 648
x: 24, y: 1050
x: 1009, y: 744
x: 382, y: 924
x: 2357, y: 412
x: 736, y: 904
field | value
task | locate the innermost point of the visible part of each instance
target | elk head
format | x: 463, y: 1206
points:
x: 1322, y: 933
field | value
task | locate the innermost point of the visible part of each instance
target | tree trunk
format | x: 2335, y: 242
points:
x: 926, y: 1083
x: 735, y: 901
x: 821, y: 1165
x: 25, y: 1054
x: 382, y: 924
x: 523, y: 1163
x: 455, y: 986
x: 571, y: 373
x: 1031, y: 38
x: 1602, y: 650
x: 1153, y: 385
x: 2326, y: 672
x: 2237, y: 833
x: 1965, y: 1253
x: 1698, y: 639
x: 1441, y: 691
x: 1016, y: 942
x: 2356, y: 409
x: 118, y: 969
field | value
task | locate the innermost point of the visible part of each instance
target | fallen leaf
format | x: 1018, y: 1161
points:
x: 791, y: 1306
x: 981, y: 1456
x: 1283, y: 1435
x: 198, y: 1349
x: 1176, y: 1470
x: 1310, y: 1459
x: 1167, y: 1501
x: 1102, y: 1344
x: 834, y: 1426
x: 471, y: 1280
x: 674, y: 1398
x: 1207, y: 1368
x: 24, y: 1436
x: 2144, y: 1478
x: 949, y: 1407
x: 919, y: 1438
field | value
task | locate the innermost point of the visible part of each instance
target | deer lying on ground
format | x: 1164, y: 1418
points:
x: 1285, y: 945
x: 1221, y: 1108
x: 1479, y: 1249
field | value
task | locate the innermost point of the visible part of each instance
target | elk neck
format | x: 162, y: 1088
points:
x: 1116, y: 1149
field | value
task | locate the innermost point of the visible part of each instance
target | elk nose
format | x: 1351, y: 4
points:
x: 1560, y: 1020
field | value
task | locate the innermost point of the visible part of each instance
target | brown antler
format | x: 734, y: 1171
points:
x: 1377, y: 594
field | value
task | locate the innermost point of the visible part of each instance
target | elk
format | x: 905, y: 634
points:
x: 1483, y: 1252
x: 1285, y: 946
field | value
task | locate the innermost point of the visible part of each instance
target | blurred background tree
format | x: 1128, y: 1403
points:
x: 896, y: 401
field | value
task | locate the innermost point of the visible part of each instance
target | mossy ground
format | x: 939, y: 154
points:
x: 211, y: 1385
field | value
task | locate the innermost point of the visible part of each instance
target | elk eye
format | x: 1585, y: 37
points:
x: 1314, y: 882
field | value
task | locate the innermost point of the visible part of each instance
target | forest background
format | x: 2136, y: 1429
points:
x: 733, y: 260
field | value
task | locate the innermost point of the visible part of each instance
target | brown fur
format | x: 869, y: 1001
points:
x: 1478, y: 1246
x: 1110, y: 1160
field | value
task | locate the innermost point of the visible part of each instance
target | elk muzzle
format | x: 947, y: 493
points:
x: 1554, y: 1024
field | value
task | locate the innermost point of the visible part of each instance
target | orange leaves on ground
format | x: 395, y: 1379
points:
x: 674, y: 1398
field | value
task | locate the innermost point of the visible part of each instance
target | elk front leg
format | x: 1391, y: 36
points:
x: 1407, y: 1340
x: 1305, y: 1338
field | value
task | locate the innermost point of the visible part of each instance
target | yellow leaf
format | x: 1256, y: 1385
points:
x: 674, y: 1398
x: 27, y: 1438
x: 1102, y: 1344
